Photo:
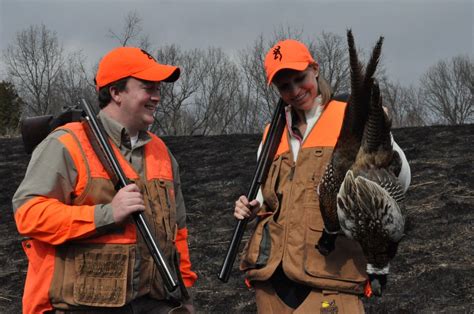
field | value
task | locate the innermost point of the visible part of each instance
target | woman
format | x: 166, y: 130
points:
x: 280, y: 260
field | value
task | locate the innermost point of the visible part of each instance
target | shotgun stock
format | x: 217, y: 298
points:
x: 98, y: 131
x: 35, y: 129
x: 265, y: 159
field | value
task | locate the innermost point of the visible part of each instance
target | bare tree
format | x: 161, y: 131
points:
x: 75, y: 82
x: 215, y: 103
x: 392, y: 94
x: 282, y: 32
x: 131, y: 33
x: 330, y: 50
x: 206, y: 98
x: 447, y: 90
x: 257, y: 98
x: 33, y: 62
x: 10, y: 109
x: 174, y: 113
x: 416, y: 114
x: 403, y: 104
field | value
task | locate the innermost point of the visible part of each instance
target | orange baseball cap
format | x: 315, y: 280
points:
x: 130, y: 61
x: 287, y: 54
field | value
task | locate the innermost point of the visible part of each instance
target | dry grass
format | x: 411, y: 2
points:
x: 433, y: 272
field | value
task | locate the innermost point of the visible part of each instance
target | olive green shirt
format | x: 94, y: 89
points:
x: 52, y: 173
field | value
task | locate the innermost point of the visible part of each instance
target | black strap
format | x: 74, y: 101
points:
x: 289, y: 291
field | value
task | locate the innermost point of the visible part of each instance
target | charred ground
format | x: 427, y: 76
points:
x: 433, y: 271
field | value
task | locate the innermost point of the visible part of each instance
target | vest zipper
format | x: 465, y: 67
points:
x: 292, y: 171
x: 288, y: 200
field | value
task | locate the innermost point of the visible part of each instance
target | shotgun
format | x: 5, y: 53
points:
x: 265, y: 159
x: 98, y: 131
x: 35, y: 129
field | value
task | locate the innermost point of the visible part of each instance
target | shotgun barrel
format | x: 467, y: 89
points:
x: 95, y: 125
x: 265, y: 159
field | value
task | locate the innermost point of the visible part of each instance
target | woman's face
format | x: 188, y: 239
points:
x: 298, y: 88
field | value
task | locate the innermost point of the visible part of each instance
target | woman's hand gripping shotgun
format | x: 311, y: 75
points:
x: 265, y: 159
x: 98, y: 131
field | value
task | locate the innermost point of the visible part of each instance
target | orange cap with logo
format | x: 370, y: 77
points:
x: 123, y: 62
x: 287, y: 54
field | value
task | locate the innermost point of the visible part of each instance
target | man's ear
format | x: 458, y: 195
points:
x: 115, y: 94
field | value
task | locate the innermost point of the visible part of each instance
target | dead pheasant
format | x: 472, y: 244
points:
x: 348, y: 144
x: 360, y: 193
x: 369, y: 200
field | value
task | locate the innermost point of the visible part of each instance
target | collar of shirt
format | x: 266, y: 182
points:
x: 312, y: 116
x: 119, y: 134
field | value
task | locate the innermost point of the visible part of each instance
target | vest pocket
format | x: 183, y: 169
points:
x: 269, y: 188
x: 95, y: 275
x: 164, y: 209
x: 252, y: 248
x: 265, y: 240
x: 345, y: 263
x: 101, y: 278
x: 257, y: 250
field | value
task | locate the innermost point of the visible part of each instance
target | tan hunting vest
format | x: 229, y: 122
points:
x: 290, y: 222
x: 113, y: 268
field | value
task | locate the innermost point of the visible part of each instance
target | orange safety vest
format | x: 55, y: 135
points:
x: 95, y: 268
x: 290, y: 221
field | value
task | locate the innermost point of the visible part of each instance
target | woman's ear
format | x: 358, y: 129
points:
x: 315, y: 68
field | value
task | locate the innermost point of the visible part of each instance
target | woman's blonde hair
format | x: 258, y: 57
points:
x: 324, y: 90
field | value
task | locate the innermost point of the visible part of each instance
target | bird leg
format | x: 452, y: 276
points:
x: 326, y: 243
x: 378, y: 283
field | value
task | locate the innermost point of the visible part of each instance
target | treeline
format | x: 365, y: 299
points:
x: 218, y: 92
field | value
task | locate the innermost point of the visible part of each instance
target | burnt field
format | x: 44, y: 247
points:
x: 432, y: 273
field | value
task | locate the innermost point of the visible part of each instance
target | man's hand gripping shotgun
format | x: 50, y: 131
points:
x: 98, y: 131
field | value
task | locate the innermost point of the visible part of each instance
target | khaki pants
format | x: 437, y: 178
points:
x: 318, y: 301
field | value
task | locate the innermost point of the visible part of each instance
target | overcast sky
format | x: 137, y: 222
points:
x: 418, y: 33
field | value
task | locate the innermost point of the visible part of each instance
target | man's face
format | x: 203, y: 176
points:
x: 138, y: 103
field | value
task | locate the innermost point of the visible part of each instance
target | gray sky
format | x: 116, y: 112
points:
x: 418, y: 33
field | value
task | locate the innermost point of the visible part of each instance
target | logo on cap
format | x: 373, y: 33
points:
x: 277, y: 53
x: 149, y: 55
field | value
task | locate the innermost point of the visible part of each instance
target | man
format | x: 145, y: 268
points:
x: 85, y: 254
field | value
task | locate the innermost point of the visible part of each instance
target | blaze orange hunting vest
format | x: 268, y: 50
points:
x: 290, y: 222
x: 114, y: 266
